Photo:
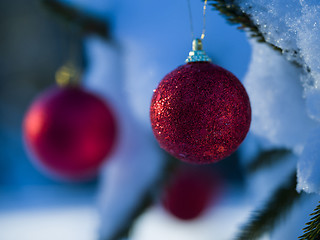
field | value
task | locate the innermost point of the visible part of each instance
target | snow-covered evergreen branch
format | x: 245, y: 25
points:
x: 234, y: 15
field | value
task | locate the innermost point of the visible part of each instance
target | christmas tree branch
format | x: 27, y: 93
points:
x: 267, y: 158
x: 235, y: 15
x: 265, y: 219
x: 147, y: 199
x: 145, y: 203
x: 81, y: 20
x: 312, y: 230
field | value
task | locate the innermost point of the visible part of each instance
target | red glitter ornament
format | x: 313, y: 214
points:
x: 191, y: 191
x: 70, y: 132
x: 200, y: 112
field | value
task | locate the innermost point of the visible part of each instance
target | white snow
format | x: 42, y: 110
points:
x: 72, y: 223
x: 278, y: 108
x: 313, y: 103
x: 294, y: 26
x: 308, y: 37
x: 48, y: 212
x: 308, y: 165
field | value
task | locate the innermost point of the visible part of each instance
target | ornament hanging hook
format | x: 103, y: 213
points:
x: 197, y: 54
x: 69, y: 73
x: 204, y: 20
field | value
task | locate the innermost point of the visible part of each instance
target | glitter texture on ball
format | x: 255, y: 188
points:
x: 200, y: 113
x: 69, y: 132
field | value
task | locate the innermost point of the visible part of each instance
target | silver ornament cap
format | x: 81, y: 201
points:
x: 197, y: 54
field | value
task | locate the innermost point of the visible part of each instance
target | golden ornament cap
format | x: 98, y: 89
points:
x: 197, y: 54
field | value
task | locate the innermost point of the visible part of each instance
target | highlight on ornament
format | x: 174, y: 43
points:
x: 200, y: 112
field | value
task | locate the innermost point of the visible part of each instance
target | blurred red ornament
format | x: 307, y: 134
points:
x: 191, y: 192
x: 200, y: 112
x: 70, y: 132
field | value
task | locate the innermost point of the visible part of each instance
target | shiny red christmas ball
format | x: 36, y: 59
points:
x: 191, y: 191
x: 200, y: 113
x: 69, y: 132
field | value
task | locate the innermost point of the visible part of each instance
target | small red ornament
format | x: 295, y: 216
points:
x: 70, y: 132
x: 200, y: 112
x: 191, y: 191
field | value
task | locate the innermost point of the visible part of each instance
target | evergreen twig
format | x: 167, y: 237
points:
x: 267, y: 158
x: 276, y: 208
x: 312, y: 230
x: 235, y: 15
x: 147, y: 199
x: 82, y: 20
x: 145, y: 203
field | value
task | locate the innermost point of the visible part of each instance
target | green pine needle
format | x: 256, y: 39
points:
x: 268, y: 158
x: 312, y: 230
x: 235, y: 15
x: 264, y: 220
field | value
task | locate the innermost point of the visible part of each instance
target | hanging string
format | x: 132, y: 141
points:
x: 69, y: 73
x: 204, y: 19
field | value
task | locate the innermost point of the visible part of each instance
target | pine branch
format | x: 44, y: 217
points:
x: 147, y: 199
x: 235, y: 15
x: 312, y: 230
x: 267, y: 159
x: 81, y: 20
x: 145, y: 203
x: 276, y: 208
